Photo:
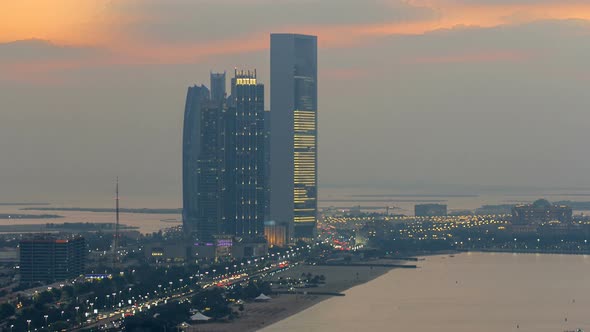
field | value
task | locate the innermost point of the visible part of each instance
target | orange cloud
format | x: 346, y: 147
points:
x: 496, y: 56
x: 77, y: 22
x: 493, y: 13
x: 95, y: 22
x: 58, y: 20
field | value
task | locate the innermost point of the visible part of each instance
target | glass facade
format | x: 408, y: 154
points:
x: 197, y: 98
x: 304, y: 177
x: 246, y: 160
x: 294, y: 121
x: 50, y: 259
x: 225, y: 185
x: 211, y: 171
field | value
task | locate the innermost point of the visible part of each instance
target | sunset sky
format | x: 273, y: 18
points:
x: 434, y: 94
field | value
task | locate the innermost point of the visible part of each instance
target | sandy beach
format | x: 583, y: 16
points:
x: 257, y: 315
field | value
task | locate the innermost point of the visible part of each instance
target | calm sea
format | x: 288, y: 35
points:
x: 403, y: 201
x: 374, y: 199
x: 469, y: 292
x: 146, y: 223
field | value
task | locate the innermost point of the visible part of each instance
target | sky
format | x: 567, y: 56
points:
x: 429, y: 95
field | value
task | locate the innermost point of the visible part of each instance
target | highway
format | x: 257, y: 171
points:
x: 253, y: 269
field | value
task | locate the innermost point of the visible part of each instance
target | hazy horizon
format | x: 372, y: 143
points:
x: 416, y: 95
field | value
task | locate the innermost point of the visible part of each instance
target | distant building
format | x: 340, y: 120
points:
x: 225, y: 160
x: 218, y: 93
x: 267, y: 133
x: 430, y: 210
x: 211, y: 173
x: 245, y: 165
x: 49, y: 258
x: 249, y: 248
x: 276, y: 234
x: 294, y: 123
x: 197, y: 98
x: 541, y: 211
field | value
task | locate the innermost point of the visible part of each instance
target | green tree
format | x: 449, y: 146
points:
x: 214, y: 300
x: 68, y: 291
x: 60, y: 325
x: 43, y: 298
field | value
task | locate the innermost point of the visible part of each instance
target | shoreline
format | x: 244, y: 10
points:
x: 259, y: 315
x: 526, y: 251
x: 262, y: 315
x: 460, y: 294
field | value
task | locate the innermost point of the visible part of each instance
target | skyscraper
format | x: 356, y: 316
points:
x: 245, y: 163
x: 218, y: 86
x: 224, y: 164
x: 293, y: 154
x: 197, y: 98
x: 211, y: 170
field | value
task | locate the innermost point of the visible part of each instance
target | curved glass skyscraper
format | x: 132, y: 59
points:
x: 197, y: 98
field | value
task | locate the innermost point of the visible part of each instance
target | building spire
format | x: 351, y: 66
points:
x: 116, y: 240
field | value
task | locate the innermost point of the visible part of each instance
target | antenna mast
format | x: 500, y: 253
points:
x: 116, y: 242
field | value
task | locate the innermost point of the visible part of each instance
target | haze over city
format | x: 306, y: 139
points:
x: 419, y: 95
x: 294, y: 165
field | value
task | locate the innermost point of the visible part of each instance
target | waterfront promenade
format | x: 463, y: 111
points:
x: 528, y: 251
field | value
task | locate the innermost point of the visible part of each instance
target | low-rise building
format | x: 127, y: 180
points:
x: 51, y: 258
x: 540, y: 212
x: 430, y: 210
x: 276, y: 234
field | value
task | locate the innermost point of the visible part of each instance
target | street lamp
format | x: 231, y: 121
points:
x: 45, y: 316
x: 28, y: 324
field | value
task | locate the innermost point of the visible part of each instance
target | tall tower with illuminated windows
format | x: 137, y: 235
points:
x: 245, y: 158
x: 293, y: 147
x: 225, y: 182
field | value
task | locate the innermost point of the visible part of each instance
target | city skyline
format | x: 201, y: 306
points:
x: 440, y: 95
x: 322, y: 165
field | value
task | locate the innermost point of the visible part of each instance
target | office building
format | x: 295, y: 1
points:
x: 211, y: 170
x: 245, y: 167
x: 267, y: 131
x: 197, y: 98
x: 539, y: 212
x: 49, y: 258
x: 224, y: 162
x: 293, y: 155
x: 430, y: 210
x: 276, y: 234
x: 218, y: 87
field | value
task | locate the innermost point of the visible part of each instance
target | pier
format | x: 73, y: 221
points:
x: 304, y: 292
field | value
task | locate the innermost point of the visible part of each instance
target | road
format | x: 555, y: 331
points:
x: 291, y: 258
